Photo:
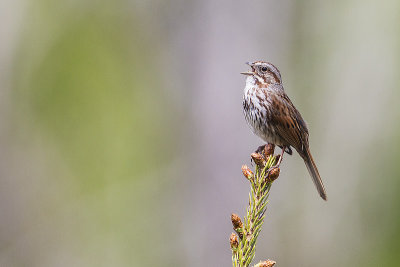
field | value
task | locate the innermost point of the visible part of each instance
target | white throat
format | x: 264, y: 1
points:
x: 250, y: 84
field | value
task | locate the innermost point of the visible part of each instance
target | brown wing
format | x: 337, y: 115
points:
x: 288, y: 122
x: 291, y: 127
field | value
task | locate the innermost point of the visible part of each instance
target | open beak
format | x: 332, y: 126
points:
x: 248, y: 72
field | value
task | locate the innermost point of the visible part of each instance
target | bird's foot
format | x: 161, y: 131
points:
x: 260, y: 149
x: 265, y: 151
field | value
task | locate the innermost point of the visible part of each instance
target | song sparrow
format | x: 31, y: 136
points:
x: 273, y: 117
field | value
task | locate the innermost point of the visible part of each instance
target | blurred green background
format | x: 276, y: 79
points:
x: 122, y: 134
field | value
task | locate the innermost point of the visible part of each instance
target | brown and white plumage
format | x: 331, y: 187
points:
x: 273, y: 117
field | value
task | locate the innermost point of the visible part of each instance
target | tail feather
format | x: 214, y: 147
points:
x: 312, y: 169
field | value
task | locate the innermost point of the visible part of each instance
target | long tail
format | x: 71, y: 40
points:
x: 312, y: 169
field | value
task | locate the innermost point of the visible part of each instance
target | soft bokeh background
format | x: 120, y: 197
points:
x: 122, y: 135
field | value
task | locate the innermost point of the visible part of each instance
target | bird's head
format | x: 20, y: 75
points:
x: 263, y: 72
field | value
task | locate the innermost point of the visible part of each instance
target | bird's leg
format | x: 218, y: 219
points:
x: 279, y: 161
x: 280, y: 158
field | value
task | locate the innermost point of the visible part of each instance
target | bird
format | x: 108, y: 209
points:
x: 272, y: 116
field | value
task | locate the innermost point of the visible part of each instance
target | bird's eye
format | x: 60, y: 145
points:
x: 264, y: 69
